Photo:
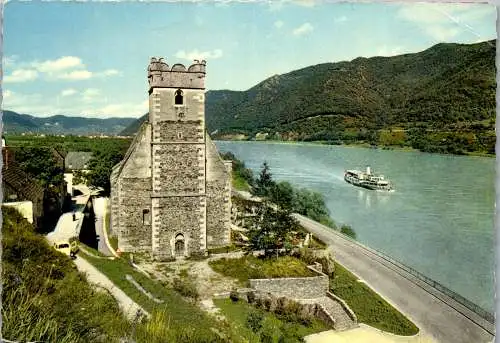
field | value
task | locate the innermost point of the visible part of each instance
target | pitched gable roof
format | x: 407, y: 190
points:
x: 77, y: 159
x: 21, y: 182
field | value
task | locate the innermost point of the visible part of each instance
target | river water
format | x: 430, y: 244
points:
x: 439, y: 221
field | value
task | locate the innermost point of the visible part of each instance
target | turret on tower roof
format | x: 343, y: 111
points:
x: 160, y: 75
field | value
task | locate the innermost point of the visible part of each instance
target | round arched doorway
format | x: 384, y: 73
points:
x: 180, y: 245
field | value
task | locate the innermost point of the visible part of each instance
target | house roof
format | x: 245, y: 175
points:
x: 77, y: 159
x: 21, y: 182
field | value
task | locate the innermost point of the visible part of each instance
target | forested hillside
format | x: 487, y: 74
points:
x: 438, y: 100
x: 19, y: 123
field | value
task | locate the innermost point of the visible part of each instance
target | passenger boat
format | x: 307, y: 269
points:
x: 368, y: 180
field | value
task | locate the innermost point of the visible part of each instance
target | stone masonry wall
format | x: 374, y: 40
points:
x: 293, y: 288
x: 218, y: 227
x: 135, y: 196
x: 179, y: 131
x: 115, y: 208
x: 177, y: 169
x: 218, y: 190
x: 178, y: 215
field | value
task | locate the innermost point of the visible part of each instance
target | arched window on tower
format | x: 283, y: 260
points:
x: 179, y: 98
x: 146, y: 217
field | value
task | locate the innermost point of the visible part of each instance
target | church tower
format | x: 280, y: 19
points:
x: 178, y: 159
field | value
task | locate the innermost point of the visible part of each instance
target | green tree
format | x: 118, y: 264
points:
x: 100, y: 167
x: 310, y: 204
x: 282, y: 194
x: 264, y: 183
x: 348, y: 231
x: 271, y: 229
x: 41, y: 164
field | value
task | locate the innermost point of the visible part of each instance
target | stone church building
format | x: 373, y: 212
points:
x: 171, y: 194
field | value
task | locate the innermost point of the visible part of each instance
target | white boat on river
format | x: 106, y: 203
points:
x: 368, y: 180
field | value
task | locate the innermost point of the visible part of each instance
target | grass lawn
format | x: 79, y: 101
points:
x: 251, y: 267
x: 240, y: 183
x: 368, y: 306
x: 182, y: 314
x: 237, y: 313
x: 223, y: 250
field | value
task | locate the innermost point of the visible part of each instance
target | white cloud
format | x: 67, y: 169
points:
x: 303, y: 29
x: 197, y: 55
x: 305, y: 3
x: 341, y: 19
x: 90, y: 94
x: 110, y: 72
x: 75, y: 75
x: 63, y: 63
x: 7, y: 94
x: 443, y: 22
x: 9, y: 61
x: 17, y: 101
x: 68, y: 92
x: 69, y: 68
x: 278, y: 24
x: 277, y: 5
x: 120, y: 110
x: 38, y: 105
x: 386, y: 51
x: 21, y: 75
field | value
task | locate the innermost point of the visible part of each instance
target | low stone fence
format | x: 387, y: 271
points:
x: 274, y: 303
x: 294, y: 288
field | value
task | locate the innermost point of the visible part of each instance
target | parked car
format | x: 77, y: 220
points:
x: 67, y: 248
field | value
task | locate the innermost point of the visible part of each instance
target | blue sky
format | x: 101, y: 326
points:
x: 91, y: 58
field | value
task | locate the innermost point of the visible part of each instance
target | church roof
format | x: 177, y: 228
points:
x: 77, y: 160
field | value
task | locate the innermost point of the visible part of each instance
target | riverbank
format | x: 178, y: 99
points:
x: 436, y: 213
x: 355, y: 145
x: 434, y: 312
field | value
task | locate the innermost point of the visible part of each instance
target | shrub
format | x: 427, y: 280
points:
x: 186, y: 288
x: 280, y: 305
x: 251, y: 297
x: 266, y: 336
x: 267, y: 303
x: 234, y: 296
x: 348, y: 231
x: 254, y: 320
x: 259, y: 303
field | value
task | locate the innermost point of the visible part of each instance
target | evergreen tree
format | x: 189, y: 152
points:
x: 264, y: 183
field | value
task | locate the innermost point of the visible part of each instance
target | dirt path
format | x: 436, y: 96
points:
x: 128, y: 306
x: 206, y: 280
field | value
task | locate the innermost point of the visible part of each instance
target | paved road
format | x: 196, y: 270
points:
x: 66, y: 228
x: 100, y: 208
x: 432, y: 313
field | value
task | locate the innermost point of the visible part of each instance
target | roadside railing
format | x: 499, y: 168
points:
x: 487, y: 315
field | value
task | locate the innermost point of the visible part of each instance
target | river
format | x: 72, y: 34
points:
x: 439, y: 221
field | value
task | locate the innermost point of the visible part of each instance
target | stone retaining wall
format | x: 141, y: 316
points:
x: 344, y: 305
x: 294, y: 288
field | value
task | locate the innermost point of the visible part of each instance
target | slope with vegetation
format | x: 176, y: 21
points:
x: 439, y: 100
x: 44, y: 298
x: 18, y: 123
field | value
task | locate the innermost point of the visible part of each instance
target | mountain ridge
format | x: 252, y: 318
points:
x: 14, y: 123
